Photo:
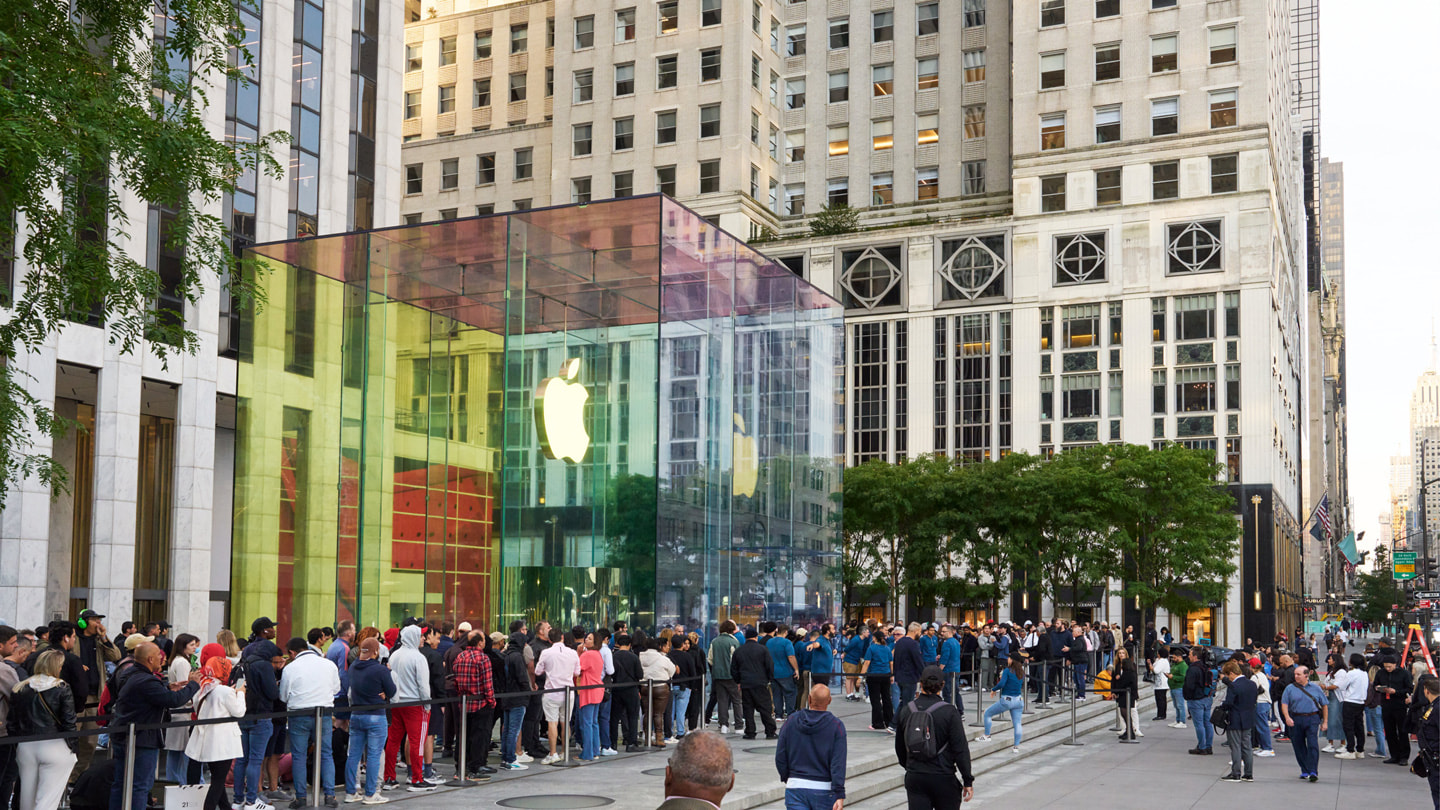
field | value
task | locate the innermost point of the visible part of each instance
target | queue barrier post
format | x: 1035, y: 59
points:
x: 315, y: 797
x: 462, y: 761
x: 1074, y: 704
x: 979, y: 705
x: 649, y: 723
x: 129, y: 767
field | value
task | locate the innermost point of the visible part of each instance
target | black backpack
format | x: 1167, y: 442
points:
x: 920, y: 734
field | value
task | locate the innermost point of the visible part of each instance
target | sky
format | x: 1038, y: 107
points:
x: 1375, y: 72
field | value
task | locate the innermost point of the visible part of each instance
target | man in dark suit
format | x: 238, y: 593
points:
x: 1240, y: 697
x: 700, y: 773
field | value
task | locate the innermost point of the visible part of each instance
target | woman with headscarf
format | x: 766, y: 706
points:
x: 216, y: 746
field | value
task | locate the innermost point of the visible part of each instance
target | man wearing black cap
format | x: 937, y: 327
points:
x: 95, y: 650
x: 162, y: 638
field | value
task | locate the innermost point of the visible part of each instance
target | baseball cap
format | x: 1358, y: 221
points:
x: 134, y: 640
x: 1386, y: 640
x: 261, y: 624
x: 164, y: 625
x: 1254, y: 662
x: 464, y: 627
x: 87, y: 614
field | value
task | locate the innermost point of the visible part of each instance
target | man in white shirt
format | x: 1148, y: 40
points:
x: 309, y: 682
x: 561, y: 666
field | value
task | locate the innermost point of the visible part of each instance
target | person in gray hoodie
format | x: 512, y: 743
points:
x: 810, y: 754
x: 412, y: 683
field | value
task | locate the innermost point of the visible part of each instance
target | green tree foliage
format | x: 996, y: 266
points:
x: 833, y: 220
x: 1377, y: 591
x: 94, y: 121
x: 892, y: 511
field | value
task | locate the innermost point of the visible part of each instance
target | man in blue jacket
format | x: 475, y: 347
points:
x: 259, y: 666
x: 909, y: 663
x: 929, y: 645
x: 143, y: 701
x: 951, y: 661
x: 810, y: 755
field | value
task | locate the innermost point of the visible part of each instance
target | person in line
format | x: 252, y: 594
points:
x: 822, y: 655
x: 592, y: 673
x: 699, y: 773
x: 1429, y: 733
x: 11, y: 674
x: 216, y: 747
x: 559, y: 665
x: 43, y: 704
x: 1125, y: 685
x: 1330, y: 682
x: 1198, y: 692
x: 1392, y: 684
x: 811, y: 755
x: 930, y: 782
x: 625, y: 717
x: 474, y: 680
x: 260, y: 663
x: 754, y: 668
x: 370, y: 685
x: 1264, y: 746
x: 784, y: 667
x: 95, y: 650
x: 307, y: 683
x: 1354, y: 688
x: 658, y: 670
x: 875, y: 667
x: 1011, y: 699
x: 1239, y: 705
x: 854, y: 655
x: 411, y: 672
x: 1160, y: 669
x: 951, y: 662
x: 1304, y: 710
x: 1176, y: 681
x: 722, y: 677
x: 143, y: 701
x: 686, y: 682
x: 909, y: 663
x: 1078, y: 654
x: 178, y: 768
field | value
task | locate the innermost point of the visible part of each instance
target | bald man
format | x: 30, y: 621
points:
x: 810, y: 755
x: 143, y: 700
x: 700, y: 773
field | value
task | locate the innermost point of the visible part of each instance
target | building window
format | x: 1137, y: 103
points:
x: 871, y: 277
x: 519, y: 38
x: 927, y: 19
x: 795, y: 40
x: 1052, y: 70
x: 1158, y: 396
x: 1232, y: 314
x: 710, y: 121
x: 927, y: 129
x: 1115, y: 335
x: 1157, y: 4
x: 839, y: 33
x: 774, y: 89
x: 975, y: 121
x: 775, y: 36
x: 839, y: 140
x: 1195, y: 389
x: 1232, y: 387
x: 1052, y: 131
x: 550, y: 32
x: 412, y: 104
x: 974, y: 13
x: 415, y: 178
x: 1080, y: 259
x: 524, y: 205
x: 755, y: 71
x: 882, y: 26
x: 625, y: 25
x: 882, y: 80
x: 549, y: 82
x: 411, y: 219
x: 1052, y: 12
x: 927, y: 73
x: 665, y: 127
x: 447, y: 51
x: 870, y: 358
x: 517, y: 87
x: 445, y: 99
x: 1080, y: 326
x: 669, y: 16
x: 1107, y: 62
x: 1232, y: 460
x: 482, y: 93
x: 625, y: 79
x: 484, y: 210
x: 1222, y: 45
x: 774, y: 142
x: 795, y: 93
x: 624, y: 134
x: 580, y: 139
x: 485, y: 169
x: 1164, y: 116
x: 974, y: 177
x: 584, y: 32
x: 584, y: 89
x: 667, y: 71
x: 665, y: 180
x: 1224, y: 176
x: 839, y: 87
x: 882, y: 188
x: 482, y: 44
x: 414, y: 57
x: 1222, y: 108
x: 837, y: 191
x: 524, y: 163
x: 709, y: 13
x: 1193, y: 247
x: 795, y: 146
x: 1165, y: 180
x: 624, y: 184
x: 1157, y: 320
x: 449, y: 174
x: 1195, y: 317
x: 1162, y: 54
x: 973, y: 268
x: 1080, y: 395
x: 927, y: 184
x: 1107, y: 186
x: 710, y: 65
x: 1107, y: 124
x: 709, y: 176
x: 580, y: 190
x: 882, y: 134
x: 1106, y: 8
x: 974, y: 62
x: 1052, y: 193
x: 795, y: 199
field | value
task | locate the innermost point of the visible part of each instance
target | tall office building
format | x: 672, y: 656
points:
x: 1425, y: 461
x: 1401, y: 481
x: 144, y: 531
x: 1333, y: 379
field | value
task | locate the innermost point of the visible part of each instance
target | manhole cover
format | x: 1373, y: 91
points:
x: 555, y: 801
x: 654, y: 772
x: 760, y: 749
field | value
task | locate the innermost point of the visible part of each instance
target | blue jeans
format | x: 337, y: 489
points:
x: 367, y: 736
x: 782, y: 695
x: 1304, y: 738
x: 1200, y: 714
x: 254, y: 739
x: 300, y: 730
x: 146, y: 761
x: 1177, y: 697
x: 809, y: 799
x: 590, y: 732
x: 1375, y: 725
x: 1262, y: 726
x: 604, y: 721
x: 1013, y: 704
x: 907, y: 694
x: 1080, y: 670
x: 679, y: 704
x: 176, y: 767
x: 510, y: 737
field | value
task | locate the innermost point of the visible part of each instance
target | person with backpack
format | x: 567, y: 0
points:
x: 931, y: 747
x: 1199, y: 693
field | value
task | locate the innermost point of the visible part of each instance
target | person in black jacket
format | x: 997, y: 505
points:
x: 1125, y: 685
x: 516, y: 683
x: 43, y: 704
x: 754, y: 668
x: 143, y: 701
x: 1240, y: 698
x: 259, y: 664
x: 930, y: 784
x: 625, y: 715
x: 1392, y: 684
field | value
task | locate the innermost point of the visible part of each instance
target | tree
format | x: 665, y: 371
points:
x: 833, y: 220
x: 894, y: 507
x: 92, y: 122
x: 1072, y: 545
x: 1377, y: 591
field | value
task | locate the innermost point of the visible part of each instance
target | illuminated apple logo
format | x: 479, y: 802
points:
x: 747, y: 460
x: 560, y: 414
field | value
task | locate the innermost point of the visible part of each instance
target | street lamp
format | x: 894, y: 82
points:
x: 1255, y: 500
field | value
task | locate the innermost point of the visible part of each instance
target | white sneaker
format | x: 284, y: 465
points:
x: 550, y: 760
x: 1372, y: 753
x: 1265, y: 753
x: 261, y: 804
x: 1181, y: 725
x: 351, y: 798
x: 1015, y: 750
x: 609, y: 752
x: 671, y: 741
x: 524, y: 758
x: 982, y: 738
x: 724, y: 729
x: 376, y: 798
x: 1328, y: 749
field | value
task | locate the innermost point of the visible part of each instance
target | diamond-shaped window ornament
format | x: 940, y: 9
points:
x: 870, y: 278
x: 1080, y: 258
x: 1194, y: 246
x: 972, y: 268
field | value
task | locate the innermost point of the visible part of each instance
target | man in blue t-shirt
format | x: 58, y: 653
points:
x: 850, y: 664
x: 782, y: 652
x: 929, y: 645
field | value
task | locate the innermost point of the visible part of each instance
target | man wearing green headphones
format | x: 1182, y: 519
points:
x: 95, y: 650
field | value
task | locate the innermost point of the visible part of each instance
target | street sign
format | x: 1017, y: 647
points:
x: 1424, y: 604
x: 1404, y: 565
x: 1427, y: 594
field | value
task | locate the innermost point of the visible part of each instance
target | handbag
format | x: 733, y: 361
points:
x: 1220, y: 718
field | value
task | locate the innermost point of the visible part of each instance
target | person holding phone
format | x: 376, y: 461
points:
x: 1393, y: 685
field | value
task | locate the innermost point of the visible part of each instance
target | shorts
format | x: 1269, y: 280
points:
x: 554, y: 705
x: 850, y: 669
x: 279, y: 740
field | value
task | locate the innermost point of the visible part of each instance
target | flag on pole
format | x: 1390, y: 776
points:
x: 1320, y: 519
x: 1347, y: 547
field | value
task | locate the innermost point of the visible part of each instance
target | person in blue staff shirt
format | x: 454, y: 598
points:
x: 782, y: 683
x: 850, y: 664
x: 929, y: 645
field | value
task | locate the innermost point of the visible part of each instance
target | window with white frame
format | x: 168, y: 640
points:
x: 1195, y: 317
x: 449, y: 174
x: 518, y: 87
x: 927, y: 128
x: 974, y: 64
x: 414, y: 57
x: 839, y: 87
x: 1165, y: 180
x: 668, y: 12
x: 710, y: 65
x: 665, y: 180
x: 667, y: 71
x: 1052, y: 131
x: 974, y: 13
x: 882, y: 134
x: 447, y: 51
x: 625, y: 79
x: 1052, y: 193
x: 795, y: 93
x: 1052, y: 12
x: 581, y: 139
x: 412, y: 104
x: 624, y: 183
x: 795, y: 40
x: 625, y: 25
x: 1107, y: 186
x: 974, y: 177
x: 927, y: 73
x: 882, y: 26
x: 624, y: 133
x: 927, y: 19
x: 839, y: 33
x: 585, y: 32
x: 1107, y: 62
x: 524, y: 163
x: 709, y: 176
x: 665, y: 126
x: 882, y: 188
x: 1107, y: 124
x: 795, y: 146
x: 1164, y: 116
x: 1080, y: 258
x: 838, y: 137
x: 710, y: 13
x: 485, y: 169
x: 1052, y: 70
x: 882, y: 80
x: 1222, y: 45
x: 1224, y: 173
x: 584, y: 86
x: 975, y: 121
x: 710, y: 121
x: 445, y: 99
x: 1163, y: 58
x: 1222, y: 108
x: 927, y: 183
x: 483, y: 44
x: 580, y: 190
x: 795, y: 199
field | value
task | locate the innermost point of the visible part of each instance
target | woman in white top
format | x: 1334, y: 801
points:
x: 178, y: 768
x: 1161, y: 670
x: 218, y: 745
x: 1334, y: 729
x: 657, y: 668
x: 1262, y: 708
x: 1354, y: 687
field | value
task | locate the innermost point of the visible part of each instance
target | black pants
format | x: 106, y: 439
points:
x: 531, y: 738
x: 215, y: 798
x: 9, y: 776
x: 709, y: 704
x: 1161, y: 702
x: 1396, y: 737
x: 932, y: 791
x: 692, y: 710
x: 753, y: 699
x: 624, y: 714
x: 882, y: 714
x: 1434, y: 779
x: 478, y: 726
x: 728, y: 704
x: 1352, y: 719
x: 1057, y: 675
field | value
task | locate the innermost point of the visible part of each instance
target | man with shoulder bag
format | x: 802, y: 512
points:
x: 931, y: 747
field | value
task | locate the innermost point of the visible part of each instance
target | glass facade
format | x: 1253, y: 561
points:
x: 579, y: 414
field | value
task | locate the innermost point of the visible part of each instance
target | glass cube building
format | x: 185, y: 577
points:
x: 579, y: 414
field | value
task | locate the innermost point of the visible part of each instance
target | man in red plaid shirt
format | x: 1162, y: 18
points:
x: 473, y: 679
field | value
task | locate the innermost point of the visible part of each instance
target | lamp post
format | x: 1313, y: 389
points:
x: 1255, y: 501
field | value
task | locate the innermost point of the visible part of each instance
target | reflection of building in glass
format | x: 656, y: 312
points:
x: 580, y: 415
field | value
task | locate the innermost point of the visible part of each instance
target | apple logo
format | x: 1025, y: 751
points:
x: 560, y: 414
x: 747, y: 461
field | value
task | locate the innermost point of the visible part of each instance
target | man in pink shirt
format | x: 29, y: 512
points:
x: 592, y: 673
x: 560, y: 666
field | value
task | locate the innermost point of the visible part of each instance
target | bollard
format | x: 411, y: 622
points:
x: 1072, y: 740
x: 315, y: 797
x: 1045, y: 695
x: 1025, y: 710
x: 979, y: 706
x: 461, y: 761
x: 566, y: 740
x: 129, y: 766
x: 650, y: 713
x: 703, y: 693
